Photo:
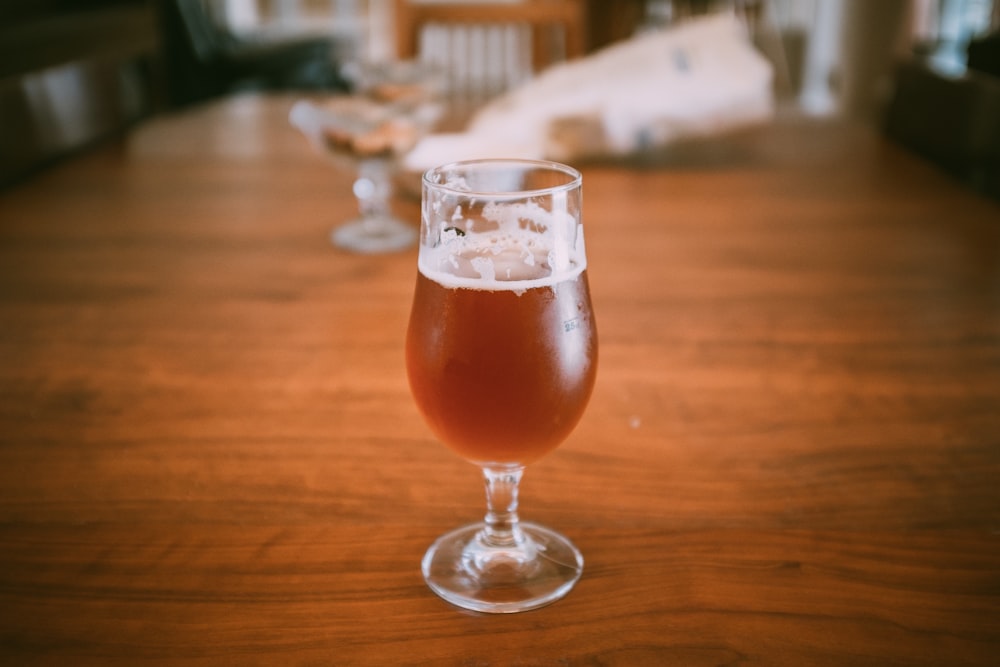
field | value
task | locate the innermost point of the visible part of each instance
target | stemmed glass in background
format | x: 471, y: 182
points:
x: 501, y: 353
x: 393, y: 105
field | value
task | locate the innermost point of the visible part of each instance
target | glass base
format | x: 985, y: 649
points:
x: 538, y: 568
x: 374, y: 235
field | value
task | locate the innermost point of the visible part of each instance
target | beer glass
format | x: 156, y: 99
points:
x: 501, y: 355
x: 393, y: 105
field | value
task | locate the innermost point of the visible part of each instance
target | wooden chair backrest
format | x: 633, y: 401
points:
x: 555, y: 30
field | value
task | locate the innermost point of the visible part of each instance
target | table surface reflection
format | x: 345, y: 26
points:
x: 209, y: 454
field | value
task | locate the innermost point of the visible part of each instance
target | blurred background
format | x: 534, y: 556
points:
x: 76, y: 72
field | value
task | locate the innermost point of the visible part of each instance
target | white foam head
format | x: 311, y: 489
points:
x: 501, y: 224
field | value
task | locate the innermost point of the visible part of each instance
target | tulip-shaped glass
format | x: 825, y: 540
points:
x: 393, y: 106
x: 501, y: 354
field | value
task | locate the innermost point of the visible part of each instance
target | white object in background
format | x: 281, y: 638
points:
x: 438, y: 149
x: 700, y: 78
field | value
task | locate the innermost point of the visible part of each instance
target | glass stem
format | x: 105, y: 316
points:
x: 502, y: 529
x: 373, y: 188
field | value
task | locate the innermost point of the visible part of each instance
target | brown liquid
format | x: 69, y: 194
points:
x: 502, y: 377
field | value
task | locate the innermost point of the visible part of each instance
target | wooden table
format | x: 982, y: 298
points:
x: 209, y: 454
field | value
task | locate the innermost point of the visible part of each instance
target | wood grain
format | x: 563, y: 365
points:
x: 209, y: 455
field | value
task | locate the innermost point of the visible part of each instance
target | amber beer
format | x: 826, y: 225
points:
x: 502, y: 373
x: 501, y: 353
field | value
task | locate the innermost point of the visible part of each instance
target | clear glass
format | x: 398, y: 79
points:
x: 501, y: 354
x: 392, y: 106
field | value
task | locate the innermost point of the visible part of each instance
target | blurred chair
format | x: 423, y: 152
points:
x: 203, y: 60
x: 984, y: 50
x: 72, y: 74
x: 945, y: 98
x: 952, y: 119
x: 488, y: 47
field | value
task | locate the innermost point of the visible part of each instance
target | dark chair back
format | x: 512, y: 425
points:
x: 203, y: 60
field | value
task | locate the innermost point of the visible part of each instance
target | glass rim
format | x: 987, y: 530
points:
x: 576, y: 178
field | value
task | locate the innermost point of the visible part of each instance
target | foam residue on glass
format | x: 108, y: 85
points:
x: 497, y: 245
